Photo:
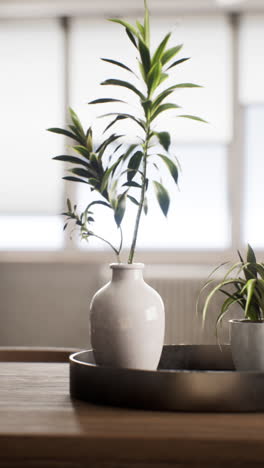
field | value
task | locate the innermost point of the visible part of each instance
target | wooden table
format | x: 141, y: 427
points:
x: 40, y: 426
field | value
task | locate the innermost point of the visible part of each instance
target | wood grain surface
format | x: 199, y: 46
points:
x: 34, y: 354
x: 41, y: 426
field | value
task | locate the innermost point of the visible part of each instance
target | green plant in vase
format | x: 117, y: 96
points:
x: 242, y: 284
x: 100, y: 167
x: 127, y: 316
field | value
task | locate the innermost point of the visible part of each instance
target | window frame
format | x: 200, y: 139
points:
x: 235, y: 170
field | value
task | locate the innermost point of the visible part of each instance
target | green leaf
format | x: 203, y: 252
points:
x: 110, y: 170
x: 146, y: 106
x: 124, y: 84
x: 177, y: 62
x: 141, y: 29
x: 89, y: 139
x: 251, y: 258
x: 69, y: 204
x: 82, y: 150
x: 208, y: 282
x: 61, y: 131
x: 126, y: 25
x: 240, y: 300
x: 185, y: 85
x: 70, y: 159
x: 170, y: 53
x: 164, y: 139
x: 134, y: 164
x: 101, y: 148
x: 163, y: 77
x: 162, y: 108
x: 193, y: 117
x: 75, y: 179
x: 95, y: 162
x: 146, y: 25
x: 133, y: 200
x: 142, y: 71
x: 131, y: 37
x: 118, y: 64
x: 117, y: 148
x: 161, y: 97
x: 227, y: 303
x: 171, y: 166
x: 224, y: 309
x: 240, y: 256
x: 132, y: 183
x: 105, y: 100
x: 235, y: 266
x: 162, y: 197
x: 81, y: 172
x: 120, y: 208
x: 251, y: 271
x: 219, y: 286
x: 145, y: 56
x: 77, y: 133
x: 260, y: 269
x: 94, y: 182
x: 121, y: 116
x: 77, y: 122
x: 160, y: 49
x: 170, y: 90
x: 250, y: 288
x: 154, y: 78
x: 97, y: 202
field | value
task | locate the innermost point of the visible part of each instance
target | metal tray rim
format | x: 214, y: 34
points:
x: 72, y: 359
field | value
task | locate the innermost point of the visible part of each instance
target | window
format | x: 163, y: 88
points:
x: 252, y: 101
x: 31, y: 95
x: 198, y: 216
x: 48, y: 64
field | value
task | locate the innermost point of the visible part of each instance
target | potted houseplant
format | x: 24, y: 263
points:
x: 127, y: 316
x: 243, y: 284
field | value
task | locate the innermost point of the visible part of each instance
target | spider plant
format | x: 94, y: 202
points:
x: 117, y: 173
x: 242, y: 284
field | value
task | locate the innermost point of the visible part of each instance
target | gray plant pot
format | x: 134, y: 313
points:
x: 247, y: 344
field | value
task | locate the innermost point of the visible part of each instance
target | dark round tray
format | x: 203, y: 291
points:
x: 189, y: 378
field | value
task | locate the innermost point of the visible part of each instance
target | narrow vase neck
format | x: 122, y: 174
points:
x: 127, y: 272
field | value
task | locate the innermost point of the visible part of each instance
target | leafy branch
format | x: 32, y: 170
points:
x: 84, y: 222
x: 103, y: 169
x: 242, y: 284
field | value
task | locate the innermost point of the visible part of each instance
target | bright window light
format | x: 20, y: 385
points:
x: 31, y: 232
x: 253, y: 231
x: 251, y: 71
x: 31, y: 96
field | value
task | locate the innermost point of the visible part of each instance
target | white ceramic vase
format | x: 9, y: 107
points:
x: 247, y: 345
x: 127, y: 320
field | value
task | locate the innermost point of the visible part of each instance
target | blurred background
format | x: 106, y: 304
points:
x: 50, y: 59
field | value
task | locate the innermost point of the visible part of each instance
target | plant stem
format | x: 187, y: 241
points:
x: 121, y: 240
x: 142, y: 196
x: 117, y: 252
